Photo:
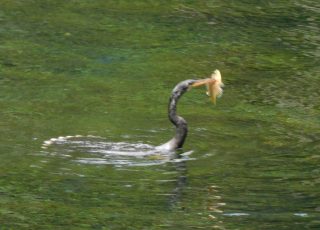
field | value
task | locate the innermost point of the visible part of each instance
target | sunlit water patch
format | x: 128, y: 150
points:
x: 99, y: 151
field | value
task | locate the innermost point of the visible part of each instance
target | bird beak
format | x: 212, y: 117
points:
x: 214, y: 85
x: 203, y: 82
x: 213, y: 88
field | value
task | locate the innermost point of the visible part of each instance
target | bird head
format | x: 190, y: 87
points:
x: 184, y: 86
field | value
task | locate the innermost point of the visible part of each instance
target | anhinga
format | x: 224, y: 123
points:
x: 214, y: 87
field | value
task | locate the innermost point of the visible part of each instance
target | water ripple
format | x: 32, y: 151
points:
x: 98, y: 151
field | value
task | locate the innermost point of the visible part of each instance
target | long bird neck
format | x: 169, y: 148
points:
x: 180, y: 124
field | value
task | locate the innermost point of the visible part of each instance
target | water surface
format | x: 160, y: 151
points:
x: 106, y: 69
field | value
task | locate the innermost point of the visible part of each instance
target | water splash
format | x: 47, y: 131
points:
x: 98, y: 151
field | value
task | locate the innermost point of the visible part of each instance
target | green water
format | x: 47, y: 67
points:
x: 106, y: 68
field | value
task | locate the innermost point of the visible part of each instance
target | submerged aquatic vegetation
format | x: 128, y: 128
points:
x: 67, y: 67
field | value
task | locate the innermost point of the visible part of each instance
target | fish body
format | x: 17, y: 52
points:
x: 214, y: 85
x: 214, y: 88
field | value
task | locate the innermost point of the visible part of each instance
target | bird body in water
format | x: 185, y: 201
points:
x: 214, y: 87
x: 122, y: 152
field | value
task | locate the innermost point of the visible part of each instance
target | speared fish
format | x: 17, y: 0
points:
x: 214, y: 85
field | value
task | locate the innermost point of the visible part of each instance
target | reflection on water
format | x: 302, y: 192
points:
x: 133, y: 158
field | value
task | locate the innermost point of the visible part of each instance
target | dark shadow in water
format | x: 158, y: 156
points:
x: 181, y: 183
x: 98, y: 151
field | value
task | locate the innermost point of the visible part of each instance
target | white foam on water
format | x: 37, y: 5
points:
x: 98, y: 151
